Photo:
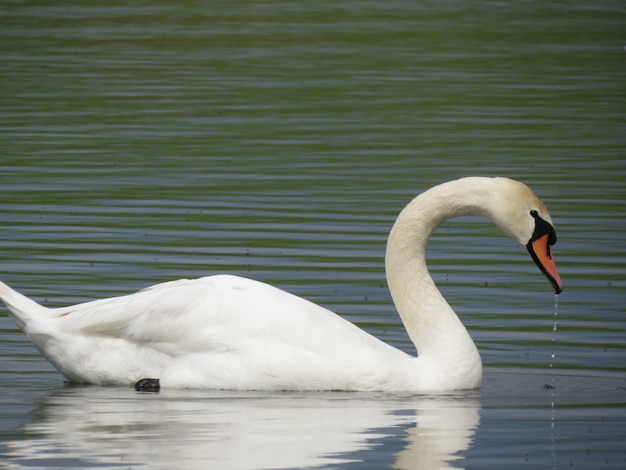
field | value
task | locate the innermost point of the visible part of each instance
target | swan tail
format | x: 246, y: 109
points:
x: 22, y: 309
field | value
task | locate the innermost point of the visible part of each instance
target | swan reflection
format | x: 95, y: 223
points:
x: 112, y: 427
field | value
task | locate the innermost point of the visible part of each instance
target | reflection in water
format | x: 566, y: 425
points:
x: 116, y: 427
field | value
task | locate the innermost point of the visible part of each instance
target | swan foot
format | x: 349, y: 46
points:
x: 148, y: 385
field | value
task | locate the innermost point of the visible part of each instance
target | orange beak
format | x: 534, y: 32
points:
x: 541, y: 252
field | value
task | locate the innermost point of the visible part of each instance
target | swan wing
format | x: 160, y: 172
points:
x: 210, y: 312
x: 219, y: 332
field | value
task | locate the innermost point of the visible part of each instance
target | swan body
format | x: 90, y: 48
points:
x: 229, y: 332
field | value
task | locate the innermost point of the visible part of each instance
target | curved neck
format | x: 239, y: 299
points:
x: 432, y: 325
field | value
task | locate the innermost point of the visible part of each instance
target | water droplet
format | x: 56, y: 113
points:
x: 552, y: 408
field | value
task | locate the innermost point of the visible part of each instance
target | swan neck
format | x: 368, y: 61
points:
x: 431, y: 323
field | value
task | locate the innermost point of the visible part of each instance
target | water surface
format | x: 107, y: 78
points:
x: 278, y: 140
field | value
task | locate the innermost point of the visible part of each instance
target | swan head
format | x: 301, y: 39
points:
x: 519, y: 213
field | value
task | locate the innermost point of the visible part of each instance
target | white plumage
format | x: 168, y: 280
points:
x: 228, y: 332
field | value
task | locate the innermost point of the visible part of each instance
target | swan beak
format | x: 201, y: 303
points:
x: 541, y: 251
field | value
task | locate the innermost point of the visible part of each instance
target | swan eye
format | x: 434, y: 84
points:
x: 542, y: 228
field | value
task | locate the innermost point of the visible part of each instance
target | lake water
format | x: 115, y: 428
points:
x: 143, y: 142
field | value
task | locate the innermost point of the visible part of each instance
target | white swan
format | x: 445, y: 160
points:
x: 228, y: 332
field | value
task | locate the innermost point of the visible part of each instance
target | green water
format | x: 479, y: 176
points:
x: 278, y: 140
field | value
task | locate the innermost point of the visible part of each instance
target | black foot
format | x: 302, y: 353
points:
x: 148, y: 385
